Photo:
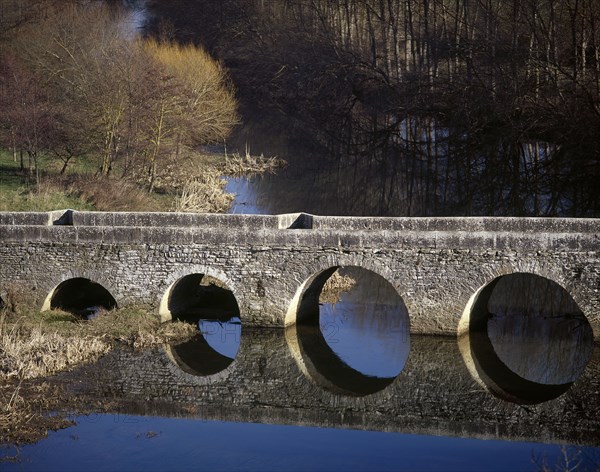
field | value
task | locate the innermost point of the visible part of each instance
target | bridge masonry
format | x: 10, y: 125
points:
x: 435, y: 264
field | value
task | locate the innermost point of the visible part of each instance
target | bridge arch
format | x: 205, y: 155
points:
x: 191, y: 273
x: 313, y: 275
x: 485, y: 274
x: 328, y: 337
x: 555, y: 339
x: 80, y: 294
x: 204, y: 296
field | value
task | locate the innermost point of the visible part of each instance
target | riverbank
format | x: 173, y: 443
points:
x: 196, y: 184
x: 35, y: 346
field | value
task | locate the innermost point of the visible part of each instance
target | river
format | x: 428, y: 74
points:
x: 353, y: 389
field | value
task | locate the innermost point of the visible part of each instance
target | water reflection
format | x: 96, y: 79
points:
x: 246, y: 200
x: 424, y: 176
x: 359, y: 341
x: 159, y: 442
x: 211, y: 351
x: 208, y: 303
x: 528, y: 341
x: 223, y: 337
x: 434, y: 394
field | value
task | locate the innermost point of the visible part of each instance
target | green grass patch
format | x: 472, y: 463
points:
x: 81, y: 188
x: 19, y: 192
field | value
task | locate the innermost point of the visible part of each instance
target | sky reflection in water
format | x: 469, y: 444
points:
x: 122, y: 442
x: 222, y: 336
x: 368, y: 327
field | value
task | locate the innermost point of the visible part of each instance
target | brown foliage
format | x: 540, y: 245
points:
x: 494, y: 76
x: 109, y: 194
x: 80, y: 84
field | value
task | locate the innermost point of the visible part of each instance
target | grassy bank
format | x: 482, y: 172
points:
x: 34, y: 346
x: 194, y: 184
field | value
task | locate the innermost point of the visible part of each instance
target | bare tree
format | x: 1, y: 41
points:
x: 29, y: 120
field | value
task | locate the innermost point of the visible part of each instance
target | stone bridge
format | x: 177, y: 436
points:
x: 274, y: 263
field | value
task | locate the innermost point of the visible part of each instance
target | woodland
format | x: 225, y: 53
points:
x: 476, y: 106
x: 456, y: 107
x: 80, y: 89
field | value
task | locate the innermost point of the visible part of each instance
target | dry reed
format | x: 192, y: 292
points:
x: 204, y: 194
x: 237, y: 165
x: 335, y: 286
x: 40, y: 353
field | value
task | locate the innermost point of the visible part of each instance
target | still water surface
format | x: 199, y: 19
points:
x: 359, y: 347
x: 125, y: 442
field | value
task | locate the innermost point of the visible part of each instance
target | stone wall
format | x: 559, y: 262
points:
x: 435, y: 264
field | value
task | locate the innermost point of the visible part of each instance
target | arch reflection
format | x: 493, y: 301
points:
x: 208, y: 303
x: 526, y: 340
x: 211, y: 351
x: 351, y: 338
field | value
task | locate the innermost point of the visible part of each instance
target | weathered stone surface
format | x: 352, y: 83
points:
x: 435, y: 264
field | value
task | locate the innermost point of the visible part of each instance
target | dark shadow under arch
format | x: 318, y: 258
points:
x: 82, y: 297
x: 198, y: 296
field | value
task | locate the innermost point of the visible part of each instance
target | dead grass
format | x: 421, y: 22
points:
x: 335, y: 286
x: 158, y: 334
x: 204, y: 194
x: 22, y: 417
x: 236, y: 165
x: 27, y: 354
x: 203, y: 188
x: 106, y: 194
x: 35, y: 345
x: 40, y: 353
x: 82, y: 192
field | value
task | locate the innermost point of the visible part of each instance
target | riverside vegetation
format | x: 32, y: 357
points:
x: 95, y: 116
x: 198, y: 187
x: 36, y: 345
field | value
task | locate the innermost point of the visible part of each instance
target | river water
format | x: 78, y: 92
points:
x: 350, y: 389
x: 124, y: 442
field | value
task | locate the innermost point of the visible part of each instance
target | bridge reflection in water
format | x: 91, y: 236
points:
x: 359, y: 342
x: 545, y: 358
x: 527, y: 339
x: 207, y: 302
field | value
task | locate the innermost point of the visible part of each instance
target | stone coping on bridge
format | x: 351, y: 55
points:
x: 324, y: 238
x: 301, y: 221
